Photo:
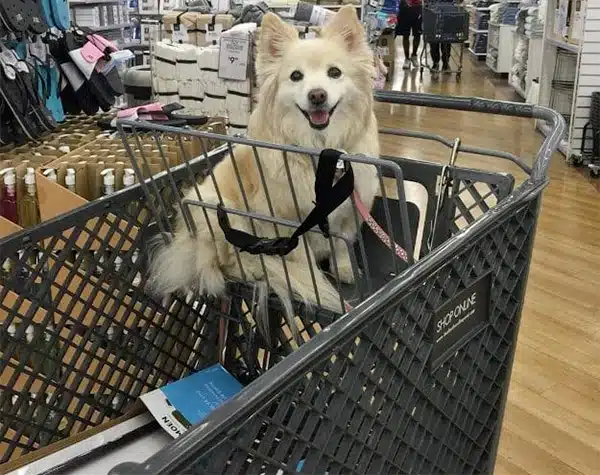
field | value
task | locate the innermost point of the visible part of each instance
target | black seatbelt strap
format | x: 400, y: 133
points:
x: 328, y: 196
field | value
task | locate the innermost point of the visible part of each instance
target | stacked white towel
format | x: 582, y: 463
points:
x: 239, y: 93
x: 190, y: 95
x: 215, y: 90
x: 167, y: 90
x: 187, y: 62
x: 164, y: 64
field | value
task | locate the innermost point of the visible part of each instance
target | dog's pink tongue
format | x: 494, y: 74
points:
x: 319, y: 117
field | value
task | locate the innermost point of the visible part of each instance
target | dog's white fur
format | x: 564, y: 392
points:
x: 204, y: 261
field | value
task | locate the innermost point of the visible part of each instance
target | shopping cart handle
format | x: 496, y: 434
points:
x: 489, y: 106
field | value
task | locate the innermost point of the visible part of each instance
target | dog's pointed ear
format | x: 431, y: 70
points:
x: 346, y: 26
x: 275, y: 37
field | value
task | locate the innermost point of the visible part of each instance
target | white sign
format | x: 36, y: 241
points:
x: 180, y: 34
x: 213, y: 32
x: 234, y: 58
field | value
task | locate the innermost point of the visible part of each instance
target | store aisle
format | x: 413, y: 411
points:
x: 552, y: 422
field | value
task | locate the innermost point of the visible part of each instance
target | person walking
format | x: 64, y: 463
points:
x: 410, y: 19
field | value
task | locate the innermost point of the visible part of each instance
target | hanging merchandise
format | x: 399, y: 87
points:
x: 23, y: 115
x: 39, y: 59
x: 46, y: 74
x: 22, y: 16
x: 88, y: 64
x: 56, y: 13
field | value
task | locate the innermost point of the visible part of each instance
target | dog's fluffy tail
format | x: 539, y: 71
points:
x: 189, y: 263
x: 184, y: 264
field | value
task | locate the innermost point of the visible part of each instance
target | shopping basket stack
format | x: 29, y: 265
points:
x: 393, y: 386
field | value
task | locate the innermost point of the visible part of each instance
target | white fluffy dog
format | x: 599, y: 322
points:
x: 314, y: 93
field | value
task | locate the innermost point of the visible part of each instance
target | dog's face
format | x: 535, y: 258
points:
x: 318, y: 86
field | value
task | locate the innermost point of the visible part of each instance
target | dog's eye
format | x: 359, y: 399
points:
x: 334, y: 72
x: 296, y: 76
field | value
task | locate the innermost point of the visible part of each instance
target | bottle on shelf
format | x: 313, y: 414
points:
x: 70, y: 180
x: 108, y: 181
x: 9, y: 195
x: 50, y: 173
x: 129, y: 180
x: 128, y: 177
x: 31, y: 211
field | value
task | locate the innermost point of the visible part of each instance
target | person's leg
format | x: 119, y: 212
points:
x: 406, y: 45
x: 434, y: 48
x: 446, y: 50
x: 403, y: 29
x: 417, y: 20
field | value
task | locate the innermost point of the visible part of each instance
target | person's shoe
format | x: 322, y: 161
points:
x: 446, y: 68
x: 407, y: 64
x: 414, y: 59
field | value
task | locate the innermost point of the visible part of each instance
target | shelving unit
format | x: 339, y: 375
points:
x: 111, y: 17
x: 532, y: 66
x: 571, y: 68
x: 500, y: 47
x: 478, y: 30
x: 527, y: 56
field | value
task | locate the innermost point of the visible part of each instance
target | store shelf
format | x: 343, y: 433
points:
x: 141, y: 14
x: 118, y: 26
x: 563, y: 44
x: 477, y: 31
x: 479, y: 9
x: 477, y: 54
x: 332, y: 6
x: 133, y: 44
x: 93, y: 2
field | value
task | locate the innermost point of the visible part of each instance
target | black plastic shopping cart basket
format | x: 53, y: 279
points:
x: 412, y: 379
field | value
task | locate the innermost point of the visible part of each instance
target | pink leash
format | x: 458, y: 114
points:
x: 379, y: 232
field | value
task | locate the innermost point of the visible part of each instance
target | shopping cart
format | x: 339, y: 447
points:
x: 445, y: 25
x: 378, y: 392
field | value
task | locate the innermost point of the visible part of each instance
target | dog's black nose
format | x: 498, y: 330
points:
x: 317, y: 97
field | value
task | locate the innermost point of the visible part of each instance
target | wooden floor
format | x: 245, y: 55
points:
x: 552, y: 422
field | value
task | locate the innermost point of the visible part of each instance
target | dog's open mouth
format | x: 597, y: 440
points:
x: 318, y: 118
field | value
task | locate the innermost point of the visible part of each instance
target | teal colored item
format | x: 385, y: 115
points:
x: 53, y: 102
x: 45, y: 6
x: 60, y: 14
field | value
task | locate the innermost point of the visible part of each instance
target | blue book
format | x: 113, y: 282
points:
x: 181, y: 404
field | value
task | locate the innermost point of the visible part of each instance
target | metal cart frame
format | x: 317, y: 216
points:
x: 371, y: 394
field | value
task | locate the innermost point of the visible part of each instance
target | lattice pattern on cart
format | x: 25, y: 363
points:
x: 344, y: 415
x: 80, y: 339
x: 81, y: 335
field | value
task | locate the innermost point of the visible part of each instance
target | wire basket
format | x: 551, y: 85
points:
x: 82, y: 338
x: 443, y: 23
